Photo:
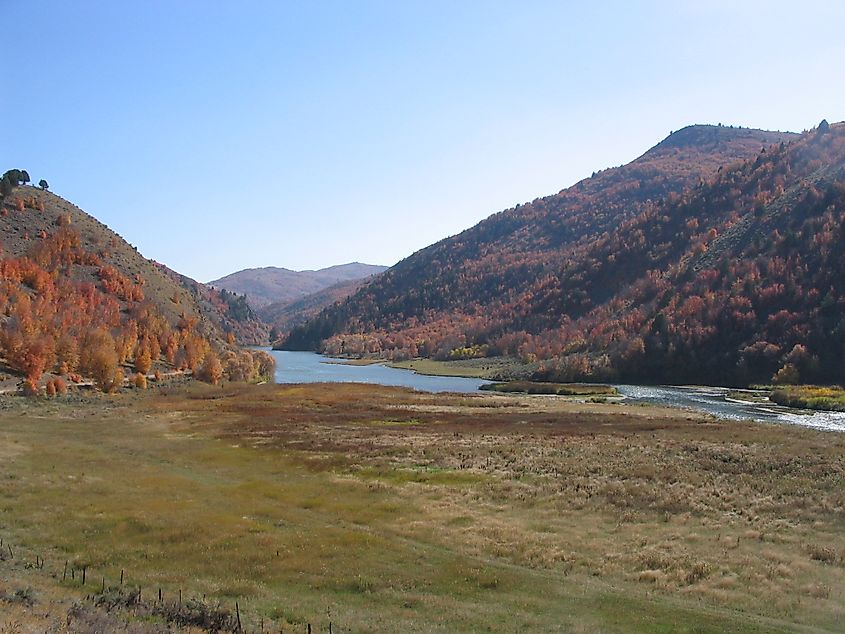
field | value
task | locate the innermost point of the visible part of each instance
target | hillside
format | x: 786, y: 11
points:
x: 516, y: 274
x: 739, y: 280
x: 75, y: 298
x: 274, y: 285
x: 281, y: 317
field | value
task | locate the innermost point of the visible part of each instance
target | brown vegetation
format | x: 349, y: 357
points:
x: 75, y: 298
x: 486, y: 512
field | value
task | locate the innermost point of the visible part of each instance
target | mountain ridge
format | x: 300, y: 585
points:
x: 268, y: 285
x: 541, y: 281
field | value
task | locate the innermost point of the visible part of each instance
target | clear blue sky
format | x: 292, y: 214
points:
x: 218, y: 136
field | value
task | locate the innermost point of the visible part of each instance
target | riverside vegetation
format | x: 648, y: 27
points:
x: 382, y: 509
x: 830, y: 398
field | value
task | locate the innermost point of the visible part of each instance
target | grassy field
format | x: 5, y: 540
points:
x: 383, y: 510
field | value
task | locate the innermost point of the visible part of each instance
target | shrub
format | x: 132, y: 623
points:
x: 787, y: 375
x: 141, y: 381
x: 211, y: 370
x: 117, y: 381
x: 67, y: 353
x: 143, y: 360
x: 265, y: 365
x: 99, y: 359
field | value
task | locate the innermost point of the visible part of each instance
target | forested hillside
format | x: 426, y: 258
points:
x: 735, y: 281
x: 283, y: 316
x: 77, y: 301
x: 545, y: 280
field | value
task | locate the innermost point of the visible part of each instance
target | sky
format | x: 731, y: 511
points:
x: 217, y: 136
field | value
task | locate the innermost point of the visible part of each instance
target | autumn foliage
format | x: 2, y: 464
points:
x: 657, y: 271
x: 70, y: 305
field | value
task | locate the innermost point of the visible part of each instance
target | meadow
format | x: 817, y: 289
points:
x: 380, y: 509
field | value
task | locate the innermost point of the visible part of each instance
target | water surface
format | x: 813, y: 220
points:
x: 715, y: 401
x: 308, y: 367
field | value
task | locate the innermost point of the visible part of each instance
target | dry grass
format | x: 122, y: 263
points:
x: 381, y: 509
x: 495, y: 368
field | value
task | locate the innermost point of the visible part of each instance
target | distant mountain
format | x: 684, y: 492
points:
x: 76, y: 298
x: 273, y: 285
x: 281, y: 317
x: 717, y: 256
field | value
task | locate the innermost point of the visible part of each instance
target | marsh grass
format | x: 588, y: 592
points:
x: 831, y: 398
x: 445, y: 515
x: 559, y: 389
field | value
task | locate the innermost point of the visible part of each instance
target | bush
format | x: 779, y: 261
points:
x: 99, y: 359
x: 117, y: 381
x: 265, y: 365
x: 143, y: 361
x: 211, y: 370
x: 787, y: 375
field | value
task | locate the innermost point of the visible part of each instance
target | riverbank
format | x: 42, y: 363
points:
x: 597, y: 390
x: 813, y: 397
x: 382, y: 509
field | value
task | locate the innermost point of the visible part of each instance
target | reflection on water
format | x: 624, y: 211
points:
x: 308, y: 367
x: 715, y: 401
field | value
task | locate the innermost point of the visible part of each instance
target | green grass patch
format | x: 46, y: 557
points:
x: 560, y: 389
x: 831, y: 398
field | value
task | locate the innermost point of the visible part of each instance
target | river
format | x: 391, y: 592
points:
x: 308, y: 367
x: 716, y: 401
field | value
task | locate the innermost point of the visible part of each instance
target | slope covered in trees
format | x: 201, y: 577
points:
x: 686, y: 264
x: 286, y: 315
x: 77, y: 300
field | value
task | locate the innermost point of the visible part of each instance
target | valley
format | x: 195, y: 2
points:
x: 335, y: 318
